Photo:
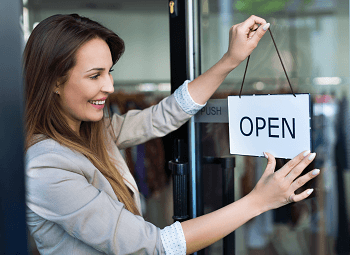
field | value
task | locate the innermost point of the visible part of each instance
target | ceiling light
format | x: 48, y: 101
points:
x: 327, y: 80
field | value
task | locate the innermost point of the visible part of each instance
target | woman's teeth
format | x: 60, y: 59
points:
x: 97, y: 102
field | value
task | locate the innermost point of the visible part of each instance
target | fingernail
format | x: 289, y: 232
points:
x: 312, y: 156
x: 310, y: 191
x: 265, y: 155
x: 266, y: 26
x: 316, y: 172
x: 306, y: 153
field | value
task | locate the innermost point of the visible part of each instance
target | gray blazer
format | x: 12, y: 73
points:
x: 71, y: 207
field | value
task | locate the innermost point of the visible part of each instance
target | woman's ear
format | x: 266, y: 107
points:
x: 56, y: 89
x: 59, y: 84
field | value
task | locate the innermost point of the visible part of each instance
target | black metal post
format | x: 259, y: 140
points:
x: 179, y: 169
x: 228, y: 187
x: 177, y: 27
x: 13, y: 234
x: 228, y: 193
x: 178, y: 73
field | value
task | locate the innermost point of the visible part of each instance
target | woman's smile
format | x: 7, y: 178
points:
x: 98, y: 104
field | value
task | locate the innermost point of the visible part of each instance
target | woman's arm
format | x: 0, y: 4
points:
x: 273, y: 190
x: 136, y: 127
x: 72, y: 197
x: 241, y: 44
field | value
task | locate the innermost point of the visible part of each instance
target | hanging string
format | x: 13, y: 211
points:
x: 284, y: 69
x: 245, y: 71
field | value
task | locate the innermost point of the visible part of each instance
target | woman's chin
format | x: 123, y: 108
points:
x: 95, y: 117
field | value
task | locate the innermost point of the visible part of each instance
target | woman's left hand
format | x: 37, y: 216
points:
x: 244, y: 39
x: 276, y: 188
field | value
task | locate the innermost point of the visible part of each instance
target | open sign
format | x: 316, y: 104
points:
x: 278, y: 124
x: 284, y: 124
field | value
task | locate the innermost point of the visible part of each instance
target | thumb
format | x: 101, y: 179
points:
x: 260, y: 32
x: 271, y: 163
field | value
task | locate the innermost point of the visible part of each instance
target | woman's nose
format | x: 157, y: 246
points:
x: 108, y: 85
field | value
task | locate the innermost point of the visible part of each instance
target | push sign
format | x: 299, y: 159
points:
x: 278, y: 124
x: 215, y: 111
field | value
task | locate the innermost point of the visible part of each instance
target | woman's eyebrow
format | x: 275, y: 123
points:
x: 96, y: 69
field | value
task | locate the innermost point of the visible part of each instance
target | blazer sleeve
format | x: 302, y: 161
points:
x: 139, y: 126
x: 60, y: 193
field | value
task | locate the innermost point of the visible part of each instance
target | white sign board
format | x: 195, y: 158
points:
x: 278, y: 124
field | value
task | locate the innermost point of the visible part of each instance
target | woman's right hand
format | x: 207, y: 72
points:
x: 275, y: 189
x: 244, y: 38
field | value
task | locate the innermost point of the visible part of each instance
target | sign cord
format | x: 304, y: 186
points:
x: 284, y: 69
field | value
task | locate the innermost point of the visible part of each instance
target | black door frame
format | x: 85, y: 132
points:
x: 13, y: 231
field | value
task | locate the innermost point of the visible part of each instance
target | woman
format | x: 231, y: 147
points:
x: 81, y: 197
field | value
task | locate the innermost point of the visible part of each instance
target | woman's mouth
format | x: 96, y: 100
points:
x: 99, y: 104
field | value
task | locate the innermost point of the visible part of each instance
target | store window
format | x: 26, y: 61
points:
x: 313, y: 39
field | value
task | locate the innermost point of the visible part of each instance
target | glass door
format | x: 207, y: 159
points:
x: 313, y: 39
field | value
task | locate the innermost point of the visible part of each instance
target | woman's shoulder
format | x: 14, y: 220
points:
x: 49, y: 147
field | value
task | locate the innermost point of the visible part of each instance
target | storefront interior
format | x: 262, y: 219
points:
x: 313, y: 39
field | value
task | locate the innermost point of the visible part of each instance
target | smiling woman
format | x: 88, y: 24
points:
x: 82, y: 97
x: 81, y: 196
x: 60, y: 60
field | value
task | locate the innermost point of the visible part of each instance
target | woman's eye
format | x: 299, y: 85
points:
x: 95, y: 77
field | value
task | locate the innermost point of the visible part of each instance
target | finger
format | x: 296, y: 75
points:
x: 302, y: 196
x: 292, y: 163
x: 260, y: 32
x: 298, y: 169
x: 271, y: 163
x: 251, y: 21
x: 251, y: 34
x: 253, y: 30
x: 304, y: 179
x: 291, y: 199
x: 254, y: 27
x: 250, y: 24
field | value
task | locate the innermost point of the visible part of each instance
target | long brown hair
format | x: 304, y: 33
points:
x: 48, y: 56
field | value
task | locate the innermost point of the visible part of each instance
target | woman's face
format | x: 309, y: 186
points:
x: 83, y: 95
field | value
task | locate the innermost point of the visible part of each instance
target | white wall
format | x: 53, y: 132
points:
x: 321, y: 44
x: 146, y: 36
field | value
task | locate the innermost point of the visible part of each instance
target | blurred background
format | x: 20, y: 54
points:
x: 313, y: 39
